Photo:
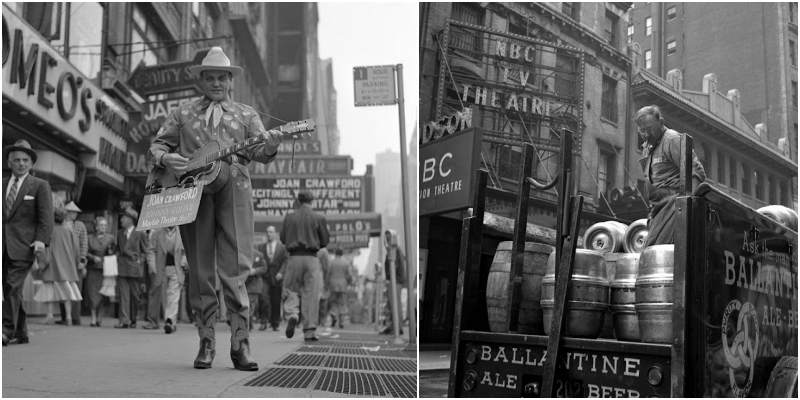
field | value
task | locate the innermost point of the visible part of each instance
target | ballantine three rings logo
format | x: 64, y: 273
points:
x: 742, y: 353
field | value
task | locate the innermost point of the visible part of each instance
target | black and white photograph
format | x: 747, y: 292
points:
x: 209, y: 199
x: 607, y: 199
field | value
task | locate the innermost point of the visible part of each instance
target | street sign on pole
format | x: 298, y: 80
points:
x: 374, y: 86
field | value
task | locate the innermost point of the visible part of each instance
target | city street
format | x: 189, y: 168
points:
x: 81, y: 361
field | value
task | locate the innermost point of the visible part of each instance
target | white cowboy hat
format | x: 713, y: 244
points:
x: 216, y: 60
x: 72, y: 207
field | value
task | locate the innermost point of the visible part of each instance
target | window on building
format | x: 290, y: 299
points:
x: 720, y: 167
x: 45, y: 18
x: 759, y: 185
x: 471, y: 13
x: 606, y: 164
x: 672, y: 48
x: 793, y: 53
x: 630, y: 33
x: 566, y: 82
x: 792, y: 10
x: 612, y: 25
x: 608, y: 108
x: 148, y: 45
x: 746, y: 179
x: 784, y: 195
x: 511, y: 158
x: 648, y: 26
x: 794, y: 93
x: 86, y: 38
x: 732, y: 171
x: 672, y: 13
x: 573, y: 10
x: 647, y: 59
x: 773, y: 190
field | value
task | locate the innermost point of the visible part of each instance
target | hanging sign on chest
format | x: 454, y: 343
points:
x: 170, y: 207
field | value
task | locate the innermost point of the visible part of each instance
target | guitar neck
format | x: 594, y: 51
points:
x: 289, y: 131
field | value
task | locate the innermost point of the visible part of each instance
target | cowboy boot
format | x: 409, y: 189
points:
x: 205, y: 356
x: 240, y: 345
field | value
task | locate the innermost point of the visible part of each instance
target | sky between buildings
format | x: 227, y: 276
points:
x: 363, y: 34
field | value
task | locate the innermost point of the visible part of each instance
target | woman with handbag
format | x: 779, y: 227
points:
x: 60, y: 268
x: 101, y: 244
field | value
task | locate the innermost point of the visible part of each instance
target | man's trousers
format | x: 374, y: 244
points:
x: 220, y: 242
x: 175, y: 278
x: 14, y: 315
x: 302, y: 286
x: 128, y: 291
x: 270, y: 305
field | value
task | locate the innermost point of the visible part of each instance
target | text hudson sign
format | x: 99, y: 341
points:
x: 447, y: 172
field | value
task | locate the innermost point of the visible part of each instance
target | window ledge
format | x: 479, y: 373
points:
x: 610, y: 122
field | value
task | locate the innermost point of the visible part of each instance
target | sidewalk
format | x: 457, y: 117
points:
x: 434, y: 372
x: 82, y: 361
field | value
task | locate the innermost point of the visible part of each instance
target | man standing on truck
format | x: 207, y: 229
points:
x: 661, y: 166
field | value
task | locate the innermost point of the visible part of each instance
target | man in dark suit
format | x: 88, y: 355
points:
x: 131, y: 257
x: 27, y: 225
x: 276, y: 256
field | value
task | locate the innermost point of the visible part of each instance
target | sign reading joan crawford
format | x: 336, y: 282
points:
x: 447, y: 172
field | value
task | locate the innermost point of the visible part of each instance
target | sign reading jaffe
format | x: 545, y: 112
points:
x: 374, y: 86
x: 171, y: 207
x: 447, y: 170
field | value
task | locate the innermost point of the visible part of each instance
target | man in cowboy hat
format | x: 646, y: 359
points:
x: 222, y: 234
x: 131, y: 257
x: 79, y: 228
x: 27, y: 225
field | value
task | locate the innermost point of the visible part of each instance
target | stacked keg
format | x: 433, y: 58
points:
x: 587, y: 295
x: 620, y: 246
x: 497, y: 302
x: 623, y: 297
x: 654, y: 293
x: 783, y: 215
x: 606, y: 238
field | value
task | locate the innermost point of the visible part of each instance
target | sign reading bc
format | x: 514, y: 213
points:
x: 446, y: 172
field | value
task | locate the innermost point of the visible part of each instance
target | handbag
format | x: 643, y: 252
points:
x: 110, y: 266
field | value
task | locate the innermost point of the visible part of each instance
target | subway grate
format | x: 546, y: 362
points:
x: 401, y: 385
x: 302, y: 360
x: 342, y: 362
x: 295, y: 378
x: 394, y: 365
x: 313, y: 349
x: 351, y: 383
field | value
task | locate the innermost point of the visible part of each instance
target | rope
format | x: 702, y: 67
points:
x: 549, y: 178
x: 446, y: 64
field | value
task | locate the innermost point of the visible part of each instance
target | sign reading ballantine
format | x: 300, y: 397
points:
x: 447, y: 172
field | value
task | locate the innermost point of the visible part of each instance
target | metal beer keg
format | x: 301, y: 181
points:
x: 497, y: 302
x: 605, y: 237
x: 783, y: 215
x: 635, y: 237
x: 623, y: 298
x: 623, y: 285
x: 654, y: 293
x: 587, y: 295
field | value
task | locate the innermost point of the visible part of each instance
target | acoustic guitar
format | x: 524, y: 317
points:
x: 205, y: 164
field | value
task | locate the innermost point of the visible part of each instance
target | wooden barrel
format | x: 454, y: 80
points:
x: 783, y: 215
x: 635, y: 236
x: 605, y: 237
x: 783, y: 379
x: 497, y: 302
x: 587, y: 295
